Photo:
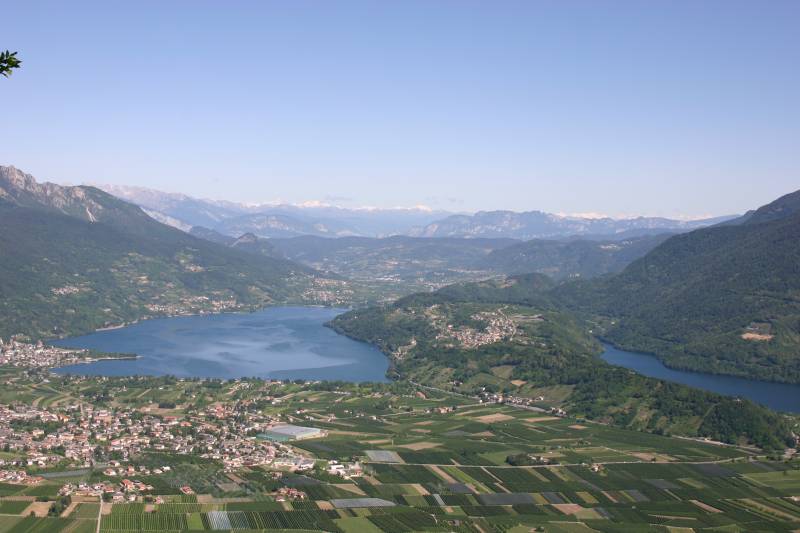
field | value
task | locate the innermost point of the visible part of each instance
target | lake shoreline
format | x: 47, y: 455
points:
x: 667, y: 363
x: 777, y: 396
x: 274, y: 342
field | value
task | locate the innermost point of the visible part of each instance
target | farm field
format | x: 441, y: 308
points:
x: 453, y: 471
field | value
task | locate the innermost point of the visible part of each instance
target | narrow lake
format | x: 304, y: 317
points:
x: 277, y: 343
x: 778, y: 396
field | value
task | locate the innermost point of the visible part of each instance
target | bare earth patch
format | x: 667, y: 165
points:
x: 568, y: 508
x: 422, y: 491
x: 577, y: 426
x: 496, y: 417
x: 584, y: 513
x: 68, y: 511
x: 442, y: 474
x: 38, y: 508
x: 416, y: 446
x: 483, y: 434
x: 518, y: 382
x: 705, y: 506
x: 757, y: 337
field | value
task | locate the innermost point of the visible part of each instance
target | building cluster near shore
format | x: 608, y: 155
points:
x: 38, y: 355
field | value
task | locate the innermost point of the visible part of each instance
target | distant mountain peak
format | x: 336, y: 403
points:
x: 323, y: 219
x: 540, y: 225
x: 246, y: 238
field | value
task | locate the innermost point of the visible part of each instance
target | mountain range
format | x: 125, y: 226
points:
x: 278, y: 220
x: 722, y: 299
x: 283, y: 220
x: 73, y: 259
x: 539, y: 225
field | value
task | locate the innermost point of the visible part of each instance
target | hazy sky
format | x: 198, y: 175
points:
x: 655, y: 107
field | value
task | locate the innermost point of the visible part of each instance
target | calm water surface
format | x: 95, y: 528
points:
x: 778, y: 396
x: 292, y: 343
x: 277, y: 342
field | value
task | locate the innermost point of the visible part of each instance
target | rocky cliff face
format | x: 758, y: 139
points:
x: 22, y: 189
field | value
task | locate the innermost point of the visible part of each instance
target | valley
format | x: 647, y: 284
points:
x: 184, y: 350
x: 187, y: 455
x: 399, y: 267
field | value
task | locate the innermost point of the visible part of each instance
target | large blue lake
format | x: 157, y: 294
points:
x: 277, y: 343
x: 778, y: 396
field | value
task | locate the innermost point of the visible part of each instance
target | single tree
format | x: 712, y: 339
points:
x: 8, y: 62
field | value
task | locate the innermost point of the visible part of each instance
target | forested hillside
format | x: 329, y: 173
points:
x: 572, y: 258
x: 723, y: 299
x: 457, y: 340
x: 73, y: 259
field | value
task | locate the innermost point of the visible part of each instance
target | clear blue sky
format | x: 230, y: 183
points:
x: 657, y: 107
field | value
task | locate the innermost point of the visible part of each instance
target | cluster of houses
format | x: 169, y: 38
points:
x: 498, y: 327
x: 34, y: 444
x: 18, y: 477
x: 84, y: 435
x: 193, y: 305
x: 115, y: 468
x: 124, y: 491
x: 38, y: 355
x: 287, y: 494
x: 75, y: 435
x: 328, y: 291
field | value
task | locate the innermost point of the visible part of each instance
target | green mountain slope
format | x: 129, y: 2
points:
x: 73, y: 259
x: 420, y: 264
x: 398, y: 257
x: 456, y: 339
x: 570, y: 259
x: 724, y: 299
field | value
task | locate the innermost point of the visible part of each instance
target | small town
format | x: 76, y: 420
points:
x: 38, y: 355
x: 497, y: 326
